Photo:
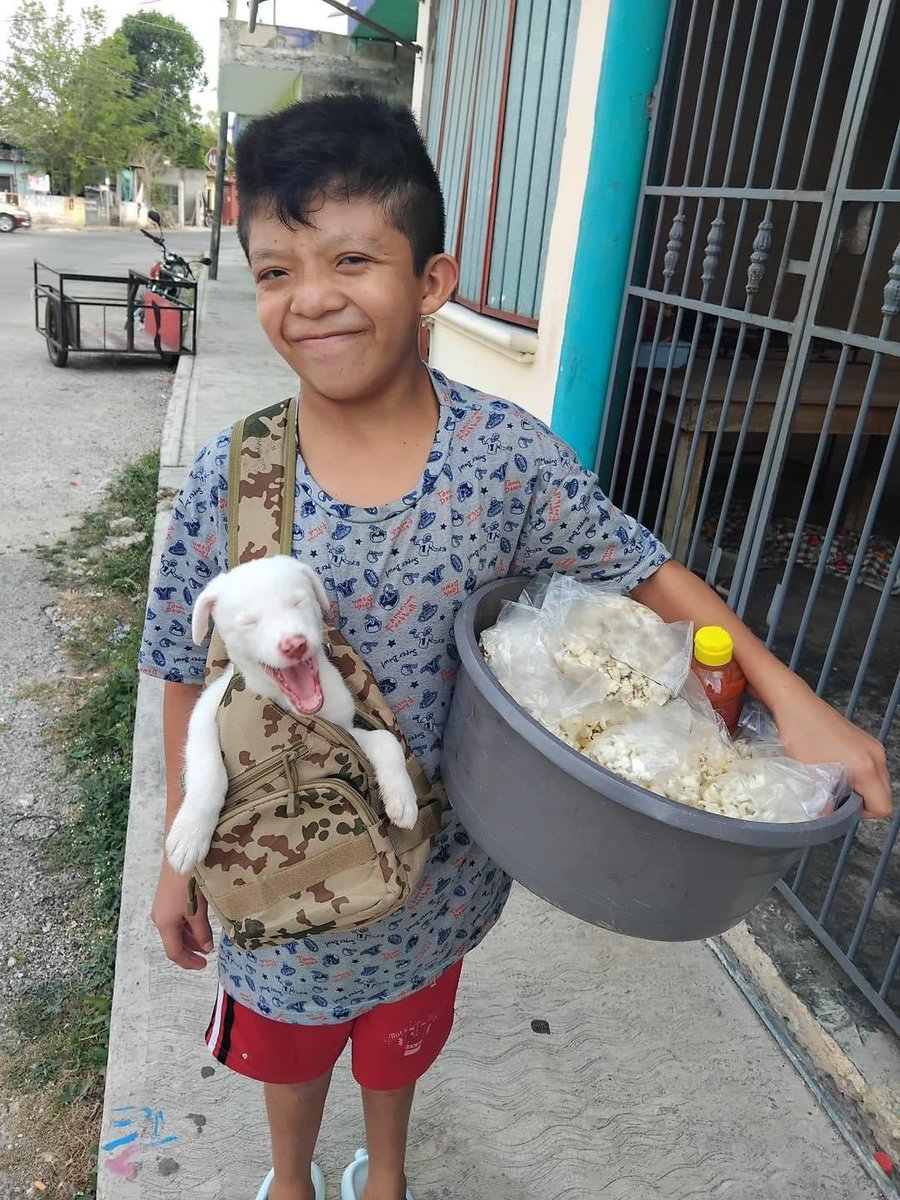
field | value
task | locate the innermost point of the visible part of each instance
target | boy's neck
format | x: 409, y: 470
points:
x: 408, y: 396
x: 371, y: 450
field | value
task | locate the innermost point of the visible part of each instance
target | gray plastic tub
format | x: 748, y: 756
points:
x: 592, y: 844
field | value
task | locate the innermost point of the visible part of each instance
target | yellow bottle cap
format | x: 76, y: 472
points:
x: 713, y: 646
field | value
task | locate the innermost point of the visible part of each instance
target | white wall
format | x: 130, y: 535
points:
x: 463, y: 343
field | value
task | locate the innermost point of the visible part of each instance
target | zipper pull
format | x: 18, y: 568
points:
x: 192, y: 897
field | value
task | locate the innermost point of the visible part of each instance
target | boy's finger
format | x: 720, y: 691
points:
x: 874, y: 785
x: 179, y: 953
x: 196, y: 939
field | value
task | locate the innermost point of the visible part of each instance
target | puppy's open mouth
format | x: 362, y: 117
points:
x: 300, y: 683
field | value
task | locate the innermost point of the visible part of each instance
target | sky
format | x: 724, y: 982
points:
x: 202, y: 18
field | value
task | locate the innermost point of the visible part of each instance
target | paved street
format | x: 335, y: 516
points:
x: 74, y: 425
x: 63, y: 433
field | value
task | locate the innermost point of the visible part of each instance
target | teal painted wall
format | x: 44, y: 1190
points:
x: 631, y: 58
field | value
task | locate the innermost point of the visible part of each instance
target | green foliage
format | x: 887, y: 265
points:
x: 168, y: 65
x: 66, y: 94
x: 63, y: 1029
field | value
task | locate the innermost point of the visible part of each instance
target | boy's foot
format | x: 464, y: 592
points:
x: 353, y: 1184
x: 271, y: 1190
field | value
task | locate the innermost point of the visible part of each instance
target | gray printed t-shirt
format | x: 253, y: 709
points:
x: 500, y: 495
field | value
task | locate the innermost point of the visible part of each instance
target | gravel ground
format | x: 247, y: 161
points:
x: 66, y: 433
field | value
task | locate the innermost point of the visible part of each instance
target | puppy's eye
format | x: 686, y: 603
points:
x: 246, y: 620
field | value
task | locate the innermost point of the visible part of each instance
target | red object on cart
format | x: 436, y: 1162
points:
x: 164, y: 316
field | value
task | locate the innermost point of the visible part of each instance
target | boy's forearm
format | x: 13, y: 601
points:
x: 178, y: 704
x: 676, y: 594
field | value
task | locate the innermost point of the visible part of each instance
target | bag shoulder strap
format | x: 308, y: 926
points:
x: 262, y: 471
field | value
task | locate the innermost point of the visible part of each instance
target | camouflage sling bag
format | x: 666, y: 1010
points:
x: 303, y: 844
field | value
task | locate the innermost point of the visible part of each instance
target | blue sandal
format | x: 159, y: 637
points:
x: 354, y: 1180
x: 318, y: 1180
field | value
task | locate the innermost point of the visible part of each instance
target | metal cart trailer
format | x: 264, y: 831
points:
x: 113, y: 314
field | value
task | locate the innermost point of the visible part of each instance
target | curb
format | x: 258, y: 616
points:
x: 862, y: 1113
x: 176, y: 412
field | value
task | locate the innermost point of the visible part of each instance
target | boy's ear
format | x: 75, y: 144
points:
x: 440, y: 277
x: 203, y: 609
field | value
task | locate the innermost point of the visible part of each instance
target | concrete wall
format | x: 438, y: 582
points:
x: 273, y: 66
x: 64, y: 211
x: 501, y: 358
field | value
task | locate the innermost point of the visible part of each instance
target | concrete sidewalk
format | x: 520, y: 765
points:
x: 656, y: 1078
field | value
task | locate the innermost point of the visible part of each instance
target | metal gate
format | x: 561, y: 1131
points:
x: 753, y: 417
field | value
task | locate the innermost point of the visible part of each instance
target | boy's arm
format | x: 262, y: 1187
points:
x: 811, y: 730
x: 184, y: 938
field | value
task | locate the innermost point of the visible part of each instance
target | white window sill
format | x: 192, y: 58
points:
x: 513, y: 341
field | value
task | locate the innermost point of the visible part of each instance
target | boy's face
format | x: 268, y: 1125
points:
x: 340, y: 301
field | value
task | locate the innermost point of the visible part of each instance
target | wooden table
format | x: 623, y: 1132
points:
x: 809, y: 418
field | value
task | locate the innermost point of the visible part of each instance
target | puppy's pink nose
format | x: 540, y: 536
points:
x: 294, y: 646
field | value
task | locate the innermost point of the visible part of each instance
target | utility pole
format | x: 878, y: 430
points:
x: 221, y: 152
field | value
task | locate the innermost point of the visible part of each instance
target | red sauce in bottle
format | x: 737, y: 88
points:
x: 722, y: 678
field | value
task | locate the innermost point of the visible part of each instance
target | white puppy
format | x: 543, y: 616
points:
x: 269, y: 616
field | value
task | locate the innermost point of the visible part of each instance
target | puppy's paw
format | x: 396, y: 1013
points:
x: 188, y: 844
x: 400, y: 802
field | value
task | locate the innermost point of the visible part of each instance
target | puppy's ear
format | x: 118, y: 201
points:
x: 203, y: 609
x: 316, y: 585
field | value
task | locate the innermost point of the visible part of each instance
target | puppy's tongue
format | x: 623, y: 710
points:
x: 300, y: 683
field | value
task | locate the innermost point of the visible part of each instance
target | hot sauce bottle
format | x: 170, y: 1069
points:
x: 722, y: 678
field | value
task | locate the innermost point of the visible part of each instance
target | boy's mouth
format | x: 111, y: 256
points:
x: 300, y: 683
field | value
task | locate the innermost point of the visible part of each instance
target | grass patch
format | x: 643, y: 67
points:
x: 55, y: 1063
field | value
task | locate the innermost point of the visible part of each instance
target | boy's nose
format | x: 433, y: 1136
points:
x: 293, y: 646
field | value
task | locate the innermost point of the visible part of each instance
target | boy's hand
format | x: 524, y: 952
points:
x: 812, y: 731
x: 184, y: 938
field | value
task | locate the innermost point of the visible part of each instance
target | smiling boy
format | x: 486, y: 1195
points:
x: 411, y: 492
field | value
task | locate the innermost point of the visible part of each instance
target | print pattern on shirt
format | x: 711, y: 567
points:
x: 500, y: 495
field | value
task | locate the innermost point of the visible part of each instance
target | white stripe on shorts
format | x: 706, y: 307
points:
x: 217, y: 1020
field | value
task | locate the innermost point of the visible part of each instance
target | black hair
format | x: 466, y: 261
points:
x: 345, y: 146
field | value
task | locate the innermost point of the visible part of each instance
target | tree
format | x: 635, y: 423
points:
x: 168, y: 65
x: 66, y: 95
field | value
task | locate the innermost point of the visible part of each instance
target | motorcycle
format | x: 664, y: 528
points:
x: 170, y: 272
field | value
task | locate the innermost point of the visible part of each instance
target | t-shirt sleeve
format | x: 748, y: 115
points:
x: 572, y: 527
x: 194, y: 551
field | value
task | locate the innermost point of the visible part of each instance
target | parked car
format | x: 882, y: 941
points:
x: 12, y: 217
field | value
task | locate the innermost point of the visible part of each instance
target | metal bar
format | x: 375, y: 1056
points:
x: 216, y: 231
x: 891, y: 970
x: 821, y: 448
x: 874, y: 631
x: 708, y: 192
x: 738, y: 452
x: 834, y: 519
x: 860, y: 554
x: 632, y: 373
x: 611, y: 399
x: 838, y: 873
x: 764, y: 492
x: 850, y: 968
x: 873, y: 888
x: 820, y: 96
x: 806, y: 502
x: 716, y: 310
x: 859, y: 341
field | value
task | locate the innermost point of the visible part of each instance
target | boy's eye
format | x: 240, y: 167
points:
x: 352, y: 260
x: 271, y: 273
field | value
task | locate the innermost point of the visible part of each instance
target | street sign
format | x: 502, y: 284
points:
x: 212, y: 159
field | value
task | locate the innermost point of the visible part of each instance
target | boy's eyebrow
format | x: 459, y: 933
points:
x: 361, y: 240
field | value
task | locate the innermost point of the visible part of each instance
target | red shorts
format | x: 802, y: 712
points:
x: 393, y: 1044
